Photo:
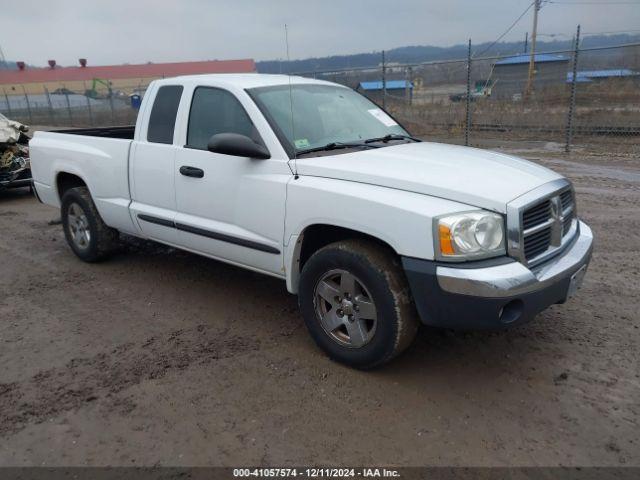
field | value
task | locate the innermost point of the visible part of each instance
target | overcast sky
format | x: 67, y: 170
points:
x: 138, y: 31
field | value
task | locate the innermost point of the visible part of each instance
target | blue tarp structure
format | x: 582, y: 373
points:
x: 538, y: 58
x: 391, y: 85
x: 585, y: 76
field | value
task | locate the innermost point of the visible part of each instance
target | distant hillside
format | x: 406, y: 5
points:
x: 417, y: 54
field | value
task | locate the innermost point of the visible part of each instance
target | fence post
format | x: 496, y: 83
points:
x: 88, y: 104
x: 467, y: 125
x: 384, y: 83
x: 68, y: 108
x: 6, y: 97
x: 113, y: 113
x: 26, y: 97
x: 572, y: 102
x: 51, y: 116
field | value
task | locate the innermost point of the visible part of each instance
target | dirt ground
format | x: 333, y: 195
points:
x: 160, y: 357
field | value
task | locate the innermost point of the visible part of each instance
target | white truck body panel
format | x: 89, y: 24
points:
x: 391, y: 193
x: 468, y: 175
x: 152, y: 183
x: 101, y: 162
x: 399, y: 218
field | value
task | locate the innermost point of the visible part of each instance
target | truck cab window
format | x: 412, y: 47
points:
x: 214, y: 111
x: 163, y: 114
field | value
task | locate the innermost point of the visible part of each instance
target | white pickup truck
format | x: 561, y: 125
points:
x: 310, y: 182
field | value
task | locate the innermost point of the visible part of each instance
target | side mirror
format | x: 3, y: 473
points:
x: 237, y: 145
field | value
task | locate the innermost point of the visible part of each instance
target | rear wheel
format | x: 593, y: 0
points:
x: 86, y: 233
x: 356, y: 304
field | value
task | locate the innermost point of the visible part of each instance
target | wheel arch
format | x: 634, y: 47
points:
x: 316, y: 236
x: 66, y: 180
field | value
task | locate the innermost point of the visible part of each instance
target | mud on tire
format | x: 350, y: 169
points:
x: 378, y: 273
x: 101, y: 240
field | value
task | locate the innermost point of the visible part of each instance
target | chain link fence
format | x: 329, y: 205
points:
x: 474, y: 100
x: 491, y: 100
x: 88, y: 107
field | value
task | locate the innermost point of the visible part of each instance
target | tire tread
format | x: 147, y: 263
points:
x: 106, y: 237
x: 387, y: 266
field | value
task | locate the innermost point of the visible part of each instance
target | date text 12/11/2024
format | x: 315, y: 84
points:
x: 315, y: 473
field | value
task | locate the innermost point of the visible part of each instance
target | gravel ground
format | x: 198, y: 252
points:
x: 160, y: 357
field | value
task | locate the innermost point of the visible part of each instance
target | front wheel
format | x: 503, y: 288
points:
x: 356, y: 304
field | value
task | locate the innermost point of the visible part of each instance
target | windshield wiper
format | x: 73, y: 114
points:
x: 392, y: 136
x: 336, y: 146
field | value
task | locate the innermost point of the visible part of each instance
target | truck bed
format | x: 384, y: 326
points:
x: 99, y: 159
x: 125, y: 132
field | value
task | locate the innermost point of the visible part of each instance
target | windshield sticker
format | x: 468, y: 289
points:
x: 383, y: 117
x: 302, y: 143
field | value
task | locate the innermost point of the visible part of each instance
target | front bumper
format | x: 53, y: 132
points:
x: 498, y: 292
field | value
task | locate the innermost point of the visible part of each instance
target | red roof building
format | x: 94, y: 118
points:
x: 33, y: 80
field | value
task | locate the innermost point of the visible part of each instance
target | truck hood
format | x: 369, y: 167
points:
x: 472, y: 176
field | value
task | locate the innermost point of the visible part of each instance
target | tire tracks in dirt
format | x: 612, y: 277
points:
x: 103, y: 376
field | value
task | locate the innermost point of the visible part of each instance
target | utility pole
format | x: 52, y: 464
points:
x: 532, y: 63
x: 526, y: 41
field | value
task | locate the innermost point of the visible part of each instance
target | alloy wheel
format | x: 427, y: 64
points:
x: 345, y: 308
x: 78, y: 225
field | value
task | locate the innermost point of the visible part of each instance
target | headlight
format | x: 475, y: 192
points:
x: 470, y: 235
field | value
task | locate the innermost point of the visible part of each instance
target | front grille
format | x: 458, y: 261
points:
x: 541, y: 223
x: 537, y: 243
x: 536, y: 215
x: 566, y: 198
x: 568, y: 209
x: 542, y: 219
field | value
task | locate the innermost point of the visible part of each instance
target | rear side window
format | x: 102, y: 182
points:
x: 163, y: 114
x: 216, y: 111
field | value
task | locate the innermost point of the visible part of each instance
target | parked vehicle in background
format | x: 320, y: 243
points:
x: 482, y: 90
x: 63, y: 91
x: 310, y: 182
x: 15, y: 168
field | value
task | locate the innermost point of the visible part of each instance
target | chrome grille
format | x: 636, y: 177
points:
x: 536, y: 215
x: 568, y: 210
x: 566, y: 198
x: 541, y: 222
x: 537, y: 243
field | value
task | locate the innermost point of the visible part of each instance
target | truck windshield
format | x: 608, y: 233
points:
x: 323, y: 115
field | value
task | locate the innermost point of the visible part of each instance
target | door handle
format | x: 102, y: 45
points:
x: 191, y: 171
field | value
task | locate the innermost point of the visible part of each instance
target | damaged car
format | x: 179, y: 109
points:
x: 15, y: 167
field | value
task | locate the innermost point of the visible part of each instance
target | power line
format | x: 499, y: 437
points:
x: 506, y: 31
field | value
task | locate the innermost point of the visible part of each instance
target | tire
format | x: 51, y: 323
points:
x: 357, y: 340
x: 79, y: 214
